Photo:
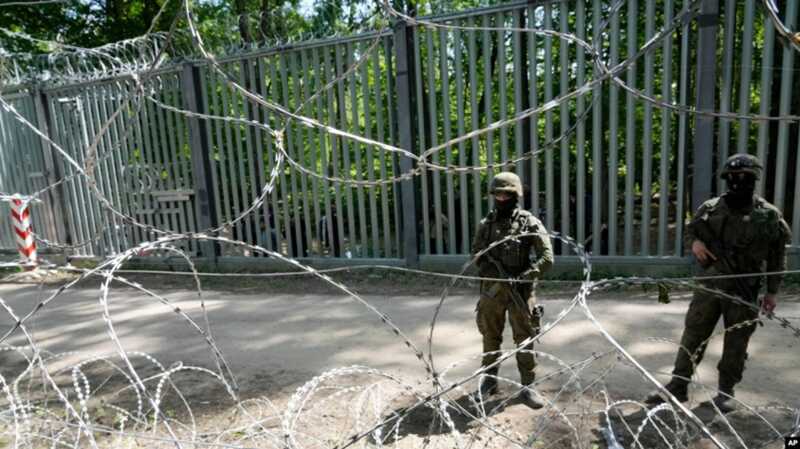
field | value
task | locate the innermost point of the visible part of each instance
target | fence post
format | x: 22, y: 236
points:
x: 702, y: 175
x: 404, y: 79
x: 52, y: 172
x: 21, y: 219
x: 191, y: 85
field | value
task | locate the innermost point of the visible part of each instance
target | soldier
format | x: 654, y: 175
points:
x: 736, y: 233
x: 525, y: 258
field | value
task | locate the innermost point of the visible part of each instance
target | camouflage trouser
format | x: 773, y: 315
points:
x: 704, y: 312
x: 496, y: 299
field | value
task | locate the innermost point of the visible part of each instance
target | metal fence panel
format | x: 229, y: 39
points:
x: 23, y: 169
x: 609, y: 168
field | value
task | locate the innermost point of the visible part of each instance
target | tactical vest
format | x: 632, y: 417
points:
x: 514, y: 255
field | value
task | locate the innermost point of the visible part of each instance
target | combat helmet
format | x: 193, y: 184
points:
x: 506, y: 182
x: 742, y: 163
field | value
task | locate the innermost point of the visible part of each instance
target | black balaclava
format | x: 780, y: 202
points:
x: 505, y: 208
x: 741, y: 187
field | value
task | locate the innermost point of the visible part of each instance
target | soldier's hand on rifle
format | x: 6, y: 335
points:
x: 703, y: 255
x: 769, y: 302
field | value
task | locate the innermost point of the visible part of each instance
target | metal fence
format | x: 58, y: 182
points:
x: 612, y: 168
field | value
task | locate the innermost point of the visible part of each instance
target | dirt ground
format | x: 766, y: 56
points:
x: 278, y: 335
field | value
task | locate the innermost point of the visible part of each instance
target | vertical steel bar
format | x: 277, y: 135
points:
x: 647, y: 142
x: 75, y: 147
x: 274, y: 212
x: 402, y: 39
x: 114, y: 162
x: 357, y: 149
x: 59, y: 136
x: 255, y: 158
x: 238, y: 109
x: 348, y: 167
x: 333, y: 113
x: 433, y: 122
x: 564, y: 163
x: 98, y: 228
x: 278, y: 86
x: 144, y: 169
x: 746, y: 76
x: 516, y: 39
x: 784, y: 127
x: 303, y: 215
x: 630, y: 128
x: 192, y: 89
x: 67, y: 136
x: 683, y: 89
x: 127, y: 149
x: 726, y: 90
x: 502, y: 91
x: 444, y: 74
x: 425, y: 177
x: 320, y: 78
x: 166, y: 147
x: 665, y: 152
x: 487, y: 101
x: 372, y: 191
x: 463, y: 186
x: 378, y: 79
x: 765, y: 97
x: 580, y: 138
x: 613, y: 137
x: 474, y: 115
x: 314, y: 143
x: 249, y: 181
x: 533, y: 101
x: 46, y: 216
x: 184, y: 158
x: 708, y: 27
x: 186, y: 181
x: 548, y: 119
x: 393, y: 122
x: 171, y: 155
x: 45, y: 121
x: 597, y: 141
x: 153, y: 163
x: 230, y: 160
x: 292, y: 216
x: 102, y: 178
x: 221, y: 166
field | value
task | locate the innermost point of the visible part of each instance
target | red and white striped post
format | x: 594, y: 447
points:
x: 21, y: 217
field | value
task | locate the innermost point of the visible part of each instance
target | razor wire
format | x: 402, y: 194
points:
x: 294, y: 426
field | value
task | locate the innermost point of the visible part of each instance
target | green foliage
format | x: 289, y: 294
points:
x: 83, y: 23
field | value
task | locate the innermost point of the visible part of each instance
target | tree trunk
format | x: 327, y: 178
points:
x: 149, y: 13
x: 264, y: 25
x: 492, y: 65
x: 240, y: 9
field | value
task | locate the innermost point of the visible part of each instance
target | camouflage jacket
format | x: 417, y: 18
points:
x: 515, y: 256
x: 751, y: 241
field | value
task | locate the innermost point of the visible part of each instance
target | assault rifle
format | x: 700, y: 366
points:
x: 517, y: 298
x: 725, y: 257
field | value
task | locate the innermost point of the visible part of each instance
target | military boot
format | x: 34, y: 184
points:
x: 677, y: 388
x: 531, y: 399
x: 488, y: 383
x: 724, y: 400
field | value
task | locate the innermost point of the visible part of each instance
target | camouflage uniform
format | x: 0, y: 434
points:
x: 750, y: 240
x: 512, y: 258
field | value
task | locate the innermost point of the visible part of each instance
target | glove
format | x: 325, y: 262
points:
x: 531, y: 274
